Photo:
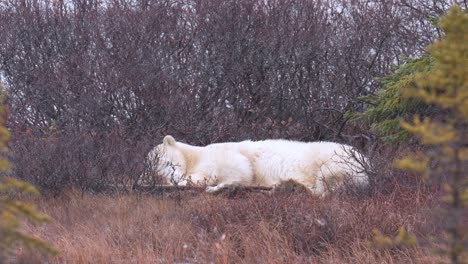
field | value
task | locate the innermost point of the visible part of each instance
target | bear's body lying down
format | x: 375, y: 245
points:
x: 320, y: 166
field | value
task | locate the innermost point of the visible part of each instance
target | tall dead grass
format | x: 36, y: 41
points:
x: 248, y: 228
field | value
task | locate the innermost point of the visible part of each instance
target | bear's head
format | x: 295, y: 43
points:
x: 171, y: 161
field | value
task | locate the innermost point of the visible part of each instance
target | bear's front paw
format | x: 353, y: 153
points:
x: 212, y: 189
x: 182, y: 183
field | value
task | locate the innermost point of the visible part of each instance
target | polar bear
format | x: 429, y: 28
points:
x: 320, y: 166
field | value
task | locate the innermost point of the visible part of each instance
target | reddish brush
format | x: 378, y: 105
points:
x: 254, y: 227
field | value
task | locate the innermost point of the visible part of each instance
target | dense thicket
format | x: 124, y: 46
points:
x: 94, y: 84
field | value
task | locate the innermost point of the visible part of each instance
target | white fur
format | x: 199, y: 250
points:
x: 320, y: 166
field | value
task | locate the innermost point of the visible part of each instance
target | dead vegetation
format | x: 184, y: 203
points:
x: 250, y: 227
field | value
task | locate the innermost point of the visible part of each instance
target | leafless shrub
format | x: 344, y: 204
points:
x: 205, y: 71
x: 91, y: 161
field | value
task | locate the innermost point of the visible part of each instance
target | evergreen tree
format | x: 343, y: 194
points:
x: 445, y: 157
x: 13, y: 211
x: 385, y: 109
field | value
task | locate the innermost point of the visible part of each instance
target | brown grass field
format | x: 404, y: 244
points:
x: 246, y: 228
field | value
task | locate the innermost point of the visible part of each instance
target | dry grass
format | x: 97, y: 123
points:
x: 248, y: 228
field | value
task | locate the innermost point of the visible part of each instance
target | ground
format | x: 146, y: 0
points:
x: 248, y: 227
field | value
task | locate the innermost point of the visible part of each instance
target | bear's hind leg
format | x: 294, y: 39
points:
x: 318, y: 189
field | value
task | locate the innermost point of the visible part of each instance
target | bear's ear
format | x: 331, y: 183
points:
x: 169, y: 141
